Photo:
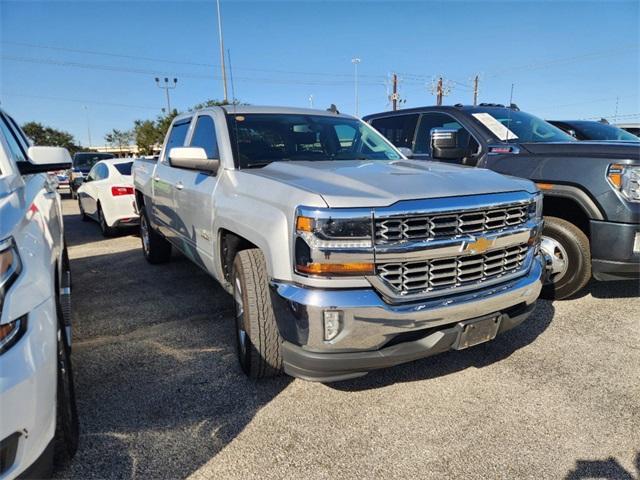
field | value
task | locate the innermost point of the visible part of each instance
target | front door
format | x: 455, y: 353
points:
x: 194, y: 198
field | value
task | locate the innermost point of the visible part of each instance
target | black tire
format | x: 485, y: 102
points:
x: 106, y: 230
x: 67, y: 434
x: 566, y: 236
x: 74, y: 196
x: 83, y: 216
x: 67, y: 424
x: 258, y: 341
x: 155, y: 247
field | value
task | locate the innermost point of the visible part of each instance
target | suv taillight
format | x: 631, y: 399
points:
x: 117, y: 191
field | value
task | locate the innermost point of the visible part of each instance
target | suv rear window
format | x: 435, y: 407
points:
x: 124, y: 168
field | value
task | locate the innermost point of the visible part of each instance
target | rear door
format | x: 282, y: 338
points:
x: 194, y: 197
x: 165, y: 178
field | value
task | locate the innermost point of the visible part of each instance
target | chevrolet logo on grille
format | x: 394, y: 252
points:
x: 481, y: 245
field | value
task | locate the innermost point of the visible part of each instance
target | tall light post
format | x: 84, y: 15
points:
x: 221, y: 42
x: 167, y: 86
x: 356, y: 61
x: 86, y: 110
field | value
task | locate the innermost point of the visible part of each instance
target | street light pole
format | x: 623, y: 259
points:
x: 355, y: 62
x: 221, y: 41
x: 86, y: 109
x: 167, y: 86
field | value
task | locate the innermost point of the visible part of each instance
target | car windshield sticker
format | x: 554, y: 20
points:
x: 497, y: 128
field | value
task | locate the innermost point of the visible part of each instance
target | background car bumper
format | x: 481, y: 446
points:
x: 615, y: 250
x: 376, y: 335
x: 28, y: 376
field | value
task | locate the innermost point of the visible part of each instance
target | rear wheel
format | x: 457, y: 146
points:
x: 570, y: 255
x: 257, y: 338
x: 155, y: 247
x: 83, y: 215
x: 107, y: 231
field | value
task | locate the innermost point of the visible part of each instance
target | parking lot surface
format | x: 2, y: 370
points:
x: 160, y: 394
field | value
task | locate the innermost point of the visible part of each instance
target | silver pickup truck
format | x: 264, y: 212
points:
x: 342, y: 255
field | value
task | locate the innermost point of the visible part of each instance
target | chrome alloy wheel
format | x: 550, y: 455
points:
x: 559, y: 258
x: 241, y: 333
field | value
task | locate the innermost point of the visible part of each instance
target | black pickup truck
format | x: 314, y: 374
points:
x: 591, y: 190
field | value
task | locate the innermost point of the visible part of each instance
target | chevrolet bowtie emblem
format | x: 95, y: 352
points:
x: 481, y: 245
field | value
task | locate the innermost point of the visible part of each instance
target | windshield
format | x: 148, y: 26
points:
x: 87, y: 160
x: 260, y: 139
x: 521, y: 127
x: 601, y: 131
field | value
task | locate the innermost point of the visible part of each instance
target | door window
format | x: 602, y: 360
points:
x: 204, y: 136
x: 429, y: 121
x: 15, y: 150
x: 399, y: 129
x: 177, y: 136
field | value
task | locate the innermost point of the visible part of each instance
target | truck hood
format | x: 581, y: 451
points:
x: 611, y: 150
x: 379, y: 183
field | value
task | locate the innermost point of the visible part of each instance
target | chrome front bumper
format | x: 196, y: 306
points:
x: 368, y: 323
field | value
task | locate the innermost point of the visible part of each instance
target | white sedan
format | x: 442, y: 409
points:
x: 107, y: 195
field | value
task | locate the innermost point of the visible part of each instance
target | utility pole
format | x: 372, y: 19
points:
x: 355, y: 62
x: 221, y: 41
x: 394, y: 94
x: 439, y: 92
x: 476, y: 80
x: 615, y: 117
x: 86, y: 110
x: 166, y: 86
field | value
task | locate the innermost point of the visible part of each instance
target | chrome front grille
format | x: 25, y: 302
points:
x: 424, y: 227
x: 445, y: 273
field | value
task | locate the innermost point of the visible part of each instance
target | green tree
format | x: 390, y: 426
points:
x: 47, y: 136
x: 147, y: 136
x: 119, y: 138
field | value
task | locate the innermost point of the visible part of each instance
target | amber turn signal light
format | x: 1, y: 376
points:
x: 337, y: 269
x: 304, y: 224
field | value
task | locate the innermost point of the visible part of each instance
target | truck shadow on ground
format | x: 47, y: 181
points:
x: 454, y: 361
x: 78, y: 232
x: 158, y: 387
x: 609, y: 469
x: 619, y: 289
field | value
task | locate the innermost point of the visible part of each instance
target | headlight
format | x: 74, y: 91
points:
x: 535, y: 209
x: 10, y: 267
x: 11, y: 332
x: 333, y: 243
x: 625, y: 179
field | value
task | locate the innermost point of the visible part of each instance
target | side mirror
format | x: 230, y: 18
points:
x: 444, y: 144
x: 193, y: 158
x: 407, y: 152
x: 45, y: 159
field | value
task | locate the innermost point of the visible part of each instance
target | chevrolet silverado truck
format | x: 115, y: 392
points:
x: 591, y: 189
x: 342, y: 256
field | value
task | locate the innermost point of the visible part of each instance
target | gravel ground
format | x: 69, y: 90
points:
x: 160, y: 394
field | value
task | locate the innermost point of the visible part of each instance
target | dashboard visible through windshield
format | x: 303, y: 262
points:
x: 260, y: 139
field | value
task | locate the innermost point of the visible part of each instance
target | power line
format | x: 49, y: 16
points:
x: 185, y: 62
x: 75, y: 100
x: 114, y: 68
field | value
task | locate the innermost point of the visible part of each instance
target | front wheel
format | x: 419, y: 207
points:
x: 67, y: 424
x: 83, y: 214
x: 570, y: 254
x: 257, y: 338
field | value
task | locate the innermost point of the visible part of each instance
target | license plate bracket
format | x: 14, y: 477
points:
x: 477, y: 330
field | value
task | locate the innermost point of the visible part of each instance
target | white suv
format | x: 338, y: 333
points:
x: 38, y: 414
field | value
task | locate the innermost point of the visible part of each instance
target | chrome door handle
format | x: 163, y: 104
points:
x: 179, y: 186
x: 156, y: 178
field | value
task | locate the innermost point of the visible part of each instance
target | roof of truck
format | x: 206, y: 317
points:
x: 242, y: 109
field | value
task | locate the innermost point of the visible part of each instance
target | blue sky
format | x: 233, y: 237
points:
x: 566, y: 59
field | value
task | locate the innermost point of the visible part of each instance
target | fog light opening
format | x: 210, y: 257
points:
x: 332, y: 324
